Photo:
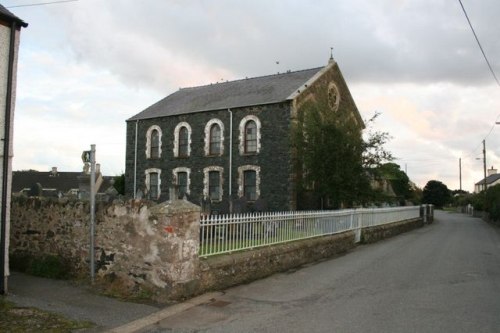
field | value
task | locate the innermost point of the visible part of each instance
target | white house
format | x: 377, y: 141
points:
x: 492, y: 179
x: 10, y: 30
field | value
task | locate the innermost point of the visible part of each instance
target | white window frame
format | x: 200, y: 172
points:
x: 243, y: 122
x: 241, y: 171
x: 148, y: 140
x: 208, y: 126
x: 206, y: 172
x: 176, y: 138
x: 148, y: 172
x: 186, y: 170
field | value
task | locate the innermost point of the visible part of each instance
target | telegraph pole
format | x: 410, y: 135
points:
x: 460, y: 172
x: 484, y: 164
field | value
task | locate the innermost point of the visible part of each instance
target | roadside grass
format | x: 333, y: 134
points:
x: 14, y: 319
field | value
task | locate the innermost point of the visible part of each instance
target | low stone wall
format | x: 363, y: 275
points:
x: 374, y: 234
x: 152, y: 250
x: 220, y: 272
x: 140, y: 248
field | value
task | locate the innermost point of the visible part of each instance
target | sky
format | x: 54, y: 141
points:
x: 87, y: 66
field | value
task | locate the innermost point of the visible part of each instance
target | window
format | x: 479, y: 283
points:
x: 249, y: 182
x: 153, y: 183
x: 153, y: 142
x: 214, y: 138
x: 182, y: 183
x: 181, y: 177
x: 182, y: 140
x: 249, y: 135
x: 212, y: 183
x: 250, y: 185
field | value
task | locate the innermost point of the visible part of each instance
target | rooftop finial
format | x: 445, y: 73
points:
x: 331, y: 55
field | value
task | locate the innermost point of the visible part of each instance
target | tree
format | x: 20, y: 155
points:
x: 492, y: 202
x: 436, y: 193
x: 398, y: 179
x: 119, y: 184
x: 374, y: 152
x: 329, y: 157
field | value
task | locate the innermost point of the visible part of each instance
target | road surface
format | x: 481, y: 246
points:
x: 444, y: 277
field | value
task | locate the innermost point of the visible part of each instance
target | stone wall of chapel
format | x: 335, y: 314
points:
x: 273, y: 158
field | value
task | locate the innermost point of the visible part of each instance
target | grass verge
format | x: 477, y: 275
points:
x: 14, y: 319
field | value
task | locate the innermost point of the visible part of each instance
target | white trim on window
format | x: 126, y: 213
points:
x: 147, y: 173
x: 242, y: 133
x: 176, y: 138
x: 206, y: 172
x: 241, y: 171
x: 208, y: 126
x: 148, y: 140
x: 186, y: 170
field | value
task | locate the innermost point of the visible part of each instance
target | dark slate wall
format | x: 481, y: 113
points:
x: 273, y: 158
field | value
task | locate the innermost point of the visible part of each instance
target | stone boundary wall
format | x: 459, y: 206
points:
x: 376, y: 233
x: 151, y: 249
x: 223, y: 271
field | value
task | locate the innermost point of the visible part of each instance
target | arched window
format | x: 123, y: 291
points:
x: 215, y: 140
x: 182, y: 180
x: 183, y: 142
x: 212, y: 183
x: 153, y: 142
x: 250, y: 137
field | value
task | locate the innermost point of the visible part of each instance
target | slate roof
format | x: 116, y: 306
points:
x: 490, y: 179
x: 245, y: 92
x: 6, y: 15
x: 61, y: 181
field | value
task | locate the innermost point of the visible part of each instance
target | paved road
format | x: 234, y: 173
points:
x: 75, y: 302
x: 444, y: 277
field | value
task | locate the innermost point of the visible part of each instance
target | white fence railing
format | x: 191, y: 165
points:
x: 228, y: 233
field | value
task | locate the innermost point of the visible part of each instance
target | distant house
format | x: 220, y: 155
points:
x: 492, y: 179
x: 10, y: 31
x: 55, y: 183
x: 229, y: 143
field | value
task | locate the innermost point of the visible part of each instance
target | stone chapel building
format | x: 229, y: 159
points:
x: 229, y: 140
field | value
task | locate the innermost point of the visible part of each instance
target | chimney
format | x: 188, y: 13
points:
x: 492, y: 171
x: 53, y: 173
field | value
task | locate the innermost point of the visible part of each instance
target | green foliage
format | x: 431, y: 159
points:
x: 399, y: 181
x: 492, y: 202
x: 119, y: 184
x: 48, y: 266
x: 436, y: 193
x: 374, y: 152
x: 329, y: 160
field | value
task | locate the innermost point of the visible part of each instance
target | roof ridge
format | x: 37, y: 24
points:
x: 252, y: 78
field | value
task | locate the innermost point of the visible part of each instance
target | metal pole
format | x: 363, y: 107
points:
x: 230, y: 161
x: 92, y: 212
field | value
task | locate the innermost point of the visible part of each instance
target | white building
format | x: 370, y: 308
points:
x: 10, y: 30
x: 492, y: 179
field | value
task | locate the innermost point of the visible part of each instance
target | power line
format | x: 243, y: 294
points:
x: 478, y: 43
x: 41, y: 3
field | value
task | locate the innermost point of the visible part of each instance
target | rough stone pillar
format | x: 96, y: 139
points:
x: 180, y: 221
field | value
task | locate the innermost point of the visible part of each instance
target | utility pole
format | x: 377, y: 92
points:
x: 484, y: 165
x: 460, y: 172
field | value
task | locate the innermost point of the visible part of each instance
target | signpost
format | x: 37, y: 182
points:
x: 88, y: 156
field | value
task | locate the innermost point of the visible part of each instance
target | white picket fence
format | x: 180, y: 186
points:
x: 228, y: 233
